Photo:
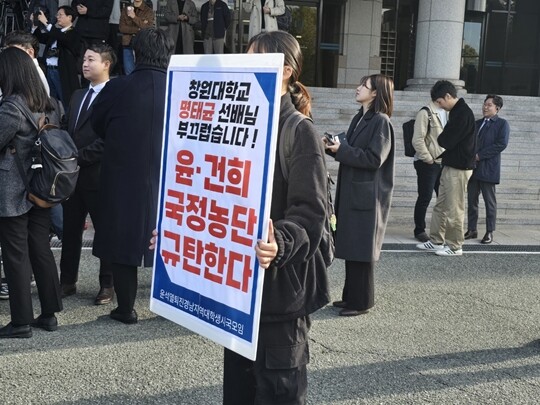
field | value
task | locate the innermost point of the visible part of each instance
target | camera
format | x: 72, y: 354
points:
x: 329, y: 138
x: 37, y: 11
x: 52, y: 52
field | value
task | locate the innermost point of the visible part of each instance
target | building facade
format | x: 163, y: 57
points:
x: 482, y: 46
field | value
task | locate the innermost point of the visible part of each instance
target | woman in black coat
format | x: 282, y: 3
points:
x: 295, y: 279
x: 364, y: 190
x: 24, y: 228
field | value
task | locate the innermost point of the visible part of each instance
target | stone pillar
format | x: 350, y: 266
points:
x: 362, y: 41
x: 439, y: 37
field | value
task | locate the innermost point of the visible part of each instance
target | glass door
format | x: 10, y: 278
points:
x: 471, y: 51
x: 304, y: 29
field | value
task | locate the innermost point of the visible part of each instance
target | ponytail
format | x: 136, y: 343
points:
x: 300, y: 98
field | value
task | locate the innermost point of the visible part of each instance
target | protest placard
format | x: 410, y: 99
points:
x: 218, y: 158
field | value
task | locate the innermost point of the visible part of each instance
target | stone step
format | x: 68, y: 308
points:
x: 508, y: 219
x: 518, y: 194
x: 502, y: 203
x: 318, y: 93
x: 528, y: 123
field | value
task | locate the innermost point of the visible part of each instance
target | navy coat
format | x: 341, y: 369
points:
x: 222, y: 18
x: 364, y: 188
x: 490, y: 143
x: 128, y: 115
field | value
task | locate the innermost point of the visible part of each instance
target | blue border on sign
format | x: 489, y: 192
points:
x: 163, y: 287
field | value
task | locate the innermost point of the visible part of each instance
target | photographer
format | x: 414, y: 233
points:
x: 133, y: 19
x: 49, y: 8
x: 93, y: 19
x: 62, y: 47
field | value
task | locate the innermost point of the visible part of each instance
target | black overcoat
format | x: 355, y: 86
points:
x: 69, y: 48
x: 364, y: 187
x: 128, y: 114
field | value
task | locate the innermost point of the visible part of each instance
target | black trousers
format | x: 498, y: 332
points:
x: 125, y: 286
x: 359, y: 288
x: 427, y: 180
x: 25, y: 248
x: 278, y: 375
x: 76, y: 209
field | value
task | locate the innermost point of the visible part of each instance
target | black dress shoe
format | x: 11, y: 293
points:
x: 48, y: 323
x: 68, y: 289
x: 9, y: 331
x: 488, y: 238
x: 471, y: 234
x: 422, y: 237
x: 339, y: 304
x: 352, y: 312
x: 129, y: 318
x: 105, y: 296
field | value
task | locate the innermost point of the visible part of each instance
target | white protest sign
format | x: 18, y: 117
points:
x: 218, y: 158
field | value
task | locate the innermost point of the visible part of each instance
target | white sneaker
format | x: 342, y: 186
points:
x: 449, y: 252
x: 430, y: 246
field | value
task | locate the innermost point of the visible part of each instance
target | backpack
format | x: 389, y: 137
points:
x: 284, y: 20
x: 327, y: 245
x: 408, y: 132
x: 54, y: 162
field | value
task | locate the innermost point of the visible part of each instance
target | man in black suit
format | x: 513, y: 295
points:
x: 93, y: 19
x: 98, y: 61
x: 62, y: 48
x: 129, y: 116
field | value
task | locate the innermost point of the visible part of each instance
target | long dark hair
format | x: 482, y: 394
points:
x: 285, y: 43
x: 18, y: 76
x: 384, y: 99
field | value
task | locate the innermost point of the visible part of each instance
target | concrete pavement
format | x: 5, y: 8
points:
x: 506, y: 235
x: 461, y: 330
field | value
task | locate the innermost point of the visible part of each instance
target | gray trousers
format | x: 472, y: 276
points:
x: 474, y: 189
x: 214, y: 45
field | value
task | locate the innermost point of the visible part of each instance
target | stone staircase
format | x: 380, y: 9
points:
x: 518, y: 194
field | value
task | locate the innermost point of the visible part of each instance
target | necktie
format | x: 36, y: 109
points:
x: 85, y: 105
x: 486, y: 120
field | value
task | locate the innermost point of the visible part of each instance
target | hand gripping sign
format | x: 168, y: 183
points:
x: 217, y: 168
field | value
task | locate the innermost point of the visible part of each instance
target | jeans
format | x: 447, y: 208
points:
x: 128, y: 60
x: 57, y: 221
x: 53, y: 77
x: 428, y: 177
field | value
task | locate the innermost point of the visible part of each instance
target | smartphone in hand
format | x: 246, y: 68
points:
x: 329, y: 138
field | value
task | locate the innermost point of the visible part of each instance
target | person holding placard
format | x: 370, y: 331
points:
x: 295, y: 283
